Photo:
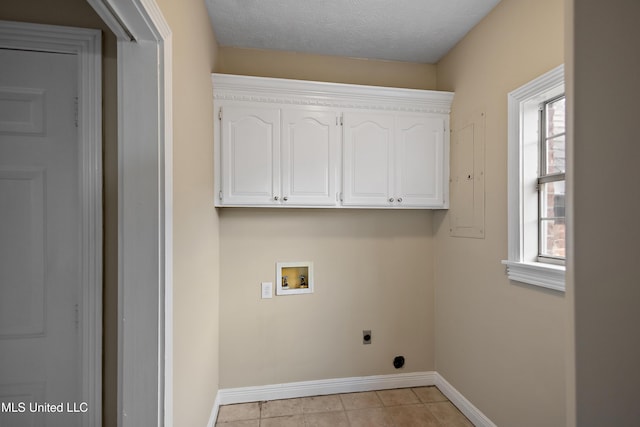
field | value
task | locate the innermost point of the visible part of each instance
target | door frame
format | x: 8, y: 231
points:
x: 145, y: 217
x: 86, y: 44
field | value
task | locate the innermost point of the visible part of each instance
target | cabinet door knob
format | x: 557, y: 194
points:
x: 399, y: 199
x: 275, y: 197
x: 391, y: 199
x: 285, y: 198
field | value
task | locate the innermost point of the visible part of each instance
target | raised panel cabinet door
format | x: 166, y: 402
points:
x: 250, y: 153
x: 419, y: 161
x: 309, y: 157
x: 368, y: 159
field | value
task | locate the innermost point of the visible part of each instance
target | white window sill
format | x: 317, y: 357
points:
x: 536, y: 273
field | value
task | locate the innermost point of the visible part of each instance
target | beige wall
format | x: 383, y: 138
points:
x: 500, y: 343
x: 290, y: 65
x: 604, y: 280
x: 78, y: 13
x: 195, y: 221
x: 372, y: 269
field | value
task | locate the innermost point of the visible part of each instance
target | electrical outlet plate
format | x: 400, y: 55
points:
x: 267, y: 290
x: 366, y: 337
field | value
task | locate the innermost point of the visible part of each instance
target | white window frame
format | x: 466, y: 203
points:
x: 523, y: 127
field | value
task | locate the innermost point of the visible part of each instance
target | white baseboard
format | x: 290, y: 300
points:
x: 474, y: 414
x: 214, y: 411
x: 348, y: 385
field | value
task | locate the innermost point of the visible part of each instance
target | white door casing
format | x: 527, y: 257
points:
x: 145, y: 265
x: 32, y: 182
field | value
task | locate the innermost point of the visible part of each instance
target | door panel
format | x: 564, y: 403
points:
x: 39, y: 236
x: 250, y: 155
x: 368, y: 159
x: 309, y: 152
x: 21, y: 110
x: 419, y: 151
x: 22, y: 303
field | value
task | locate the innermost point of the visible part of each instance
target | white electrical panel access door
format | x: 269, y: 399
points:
x: 309, y: 156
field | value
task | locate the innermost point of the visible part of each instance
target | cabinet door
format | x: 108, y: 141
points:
x: 419, y: 161
x: 368, y: 159
x: 250, y: 153
x: 309, y: 156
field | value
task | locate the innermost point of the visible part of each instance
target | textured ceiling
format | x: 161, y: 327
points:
x: 401, y: 30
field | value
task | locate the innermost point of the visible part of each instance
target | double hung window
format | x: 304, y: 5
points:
x: 536, y: 143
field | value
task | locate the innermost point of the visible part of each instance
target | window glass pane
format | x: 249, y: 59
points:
x: 552, y: 235
x: 555, y: 117
x: 552, y: 199
x: 555, y: 155
x: 552, y: 219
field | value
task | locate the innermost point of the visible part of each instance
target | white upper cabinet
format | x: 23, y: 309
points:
x: 250, y: 155
x: 368, y: 178
x: 273, y: 157
x: 309, y: 156
x: 393, y: 160
x: 290, y: 143
x: 419, y: 162
x: 278, y: 157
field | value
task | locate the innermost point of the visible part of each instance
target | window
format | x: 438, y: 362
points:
x: 551, y: 181
x: 536, y: 140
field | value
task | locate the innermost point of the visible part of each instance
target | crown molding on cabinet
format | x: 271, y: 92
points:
x: 229, y: 87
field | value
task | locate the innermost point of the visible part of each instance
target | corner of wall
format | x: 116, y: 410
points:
x: 196, y: 224
x: 486, y: 325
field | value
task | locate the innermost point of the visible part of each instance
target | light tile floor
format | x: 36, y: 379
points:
x: 404, y: 407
